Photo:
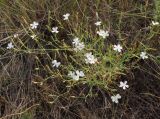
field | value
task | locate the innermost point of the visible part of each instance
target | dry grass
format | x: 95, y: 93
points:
x: 54, y: 96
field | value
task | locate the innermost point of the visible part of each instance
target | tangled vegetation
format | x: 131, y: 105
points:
x: 79, y: 59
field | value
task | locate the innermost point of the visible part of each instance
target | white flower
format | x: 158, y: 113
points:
x: 76, y: 75
x: 73, y: 75
x: 80, y: 73
x: 75, y: 41
x: 143, y: 55
x: 98, y: 23
x: 117, y: 48
x: 79, y: 47
x: 77, y: 44
x: 90, y: 58
x: 154, y: 23
x: 115, y: 98
x: 55, y: 63
x: 34, y: 25
x: 55, y: 30
x: 103, y: 33
x: 15, y: 35
x: 123, y: 85
x: 66, y: 16
x: 33, y: 36
x: 10, y: 45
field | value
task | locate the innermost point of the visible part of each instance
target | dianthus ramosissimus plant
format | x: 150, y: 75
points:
x: 81, y: 58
